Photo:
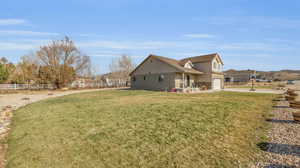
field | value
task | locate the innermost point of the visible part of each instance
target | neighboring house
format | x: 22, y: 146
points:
x: 165, y: 74
x: 114, y: 80
x: 239, y: 76
x: 81, y: 82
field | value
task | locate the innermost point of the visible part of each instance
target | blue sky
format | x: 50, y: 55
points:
x: 248, y: 34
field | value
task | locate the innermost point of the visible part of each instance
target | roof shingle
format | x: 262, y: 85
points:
x: 179, y: 65
x: 201, y: 58
x: 176, y: 64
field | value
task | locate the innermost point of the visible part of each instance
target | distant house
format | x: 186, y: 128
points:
x: 165, y: 74
x: 239, y: 76
x: 83, y: 82
x: 113, y: 79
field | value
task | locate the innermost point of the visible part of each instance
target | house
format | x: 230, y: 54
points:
x: 165, y: 74
x: 83, y: 82
x: 114, y: 79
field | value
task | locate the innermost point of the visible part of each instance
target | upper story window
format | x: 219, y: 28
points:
x: 188, y: 65
x: 144, y: 77
x: 215, y: 65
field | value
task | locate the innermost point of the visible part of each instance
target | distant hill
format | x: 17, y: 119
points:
x: 272, y: 75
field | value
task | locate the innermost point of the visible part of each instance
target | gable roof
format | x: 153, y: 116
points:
x: 179, y: 65
x: 202, y: 58
x: 172, y: 62
x: 176, y: 64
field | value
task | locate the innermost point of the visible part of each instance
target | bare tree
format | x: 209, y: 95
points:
x: 121, y: 67
x: 24, y: 72
x: 3, y: 60
x: 62, y: 61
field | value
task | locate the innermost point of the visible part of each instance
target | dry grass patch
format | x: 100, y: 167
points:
x: 140, y: 129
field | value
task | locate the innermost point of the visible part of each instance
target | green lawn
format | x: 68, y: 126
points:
x: 112, y: 129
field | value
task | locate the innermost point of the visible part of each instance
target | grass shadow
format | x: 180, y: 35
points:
x: 282, y: 149
x: 279, y: 166
x: 281, y: 107
x: 282, y: 121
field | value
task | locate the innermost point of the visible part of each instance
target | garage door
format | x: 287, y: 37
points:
x: 216, y: 84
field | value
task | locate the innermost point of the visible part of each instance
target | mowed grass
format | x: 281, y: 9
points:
x: 111, y: 129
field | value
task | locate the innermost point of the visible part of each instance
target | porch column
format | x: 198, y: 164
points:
x: 183, y: 81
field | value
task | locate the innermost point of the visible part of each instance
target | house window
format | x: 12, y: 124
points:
x: 188, y: 65
x: 160, y: 78
x: 215, y: 65
x: 144, y: 77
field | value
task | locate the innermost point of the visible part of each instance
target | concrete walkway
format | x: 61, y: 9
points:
x: 23, y: 98
x: 257, y: 91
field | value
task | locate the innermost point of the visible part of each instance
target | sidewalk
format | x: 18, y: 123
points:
x: 257, y: 91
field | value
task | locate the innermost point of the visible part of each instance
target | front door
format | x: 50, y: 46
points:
x: 188, y: 80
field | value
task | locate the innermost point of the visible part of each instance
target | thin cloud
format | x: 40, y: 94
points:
x: 26, y: 33
x: 21, y: 45
x: 106, y: 54
x: 112, y: 55
x: 254, y: 47
x: 16, y: 46
x: 254, y: 21
x: 5, y: 22
x: 142, y: 45
x: 89, y: 35
x: 191, y: 46
x: 199, y: 36
x: 128, y: 45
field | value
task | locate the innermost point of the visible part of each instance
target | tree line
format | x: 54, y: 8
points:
x: 59, y: 63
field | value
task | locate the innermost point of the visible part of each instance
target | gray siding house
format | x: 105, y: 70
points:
x: 164, y: 74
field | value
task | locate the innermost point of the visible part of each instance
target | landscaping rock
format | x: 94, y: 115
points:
x: 296, y: 116
x: 283, y: 139
x: 290, y: 98
x: 295, y: 106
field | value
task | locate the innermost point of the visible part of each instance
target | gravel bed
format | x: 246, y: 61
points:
x: 283, y: 148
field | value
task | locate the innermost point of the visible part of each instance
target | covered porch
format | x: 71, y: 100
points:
x: 192, y: 82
